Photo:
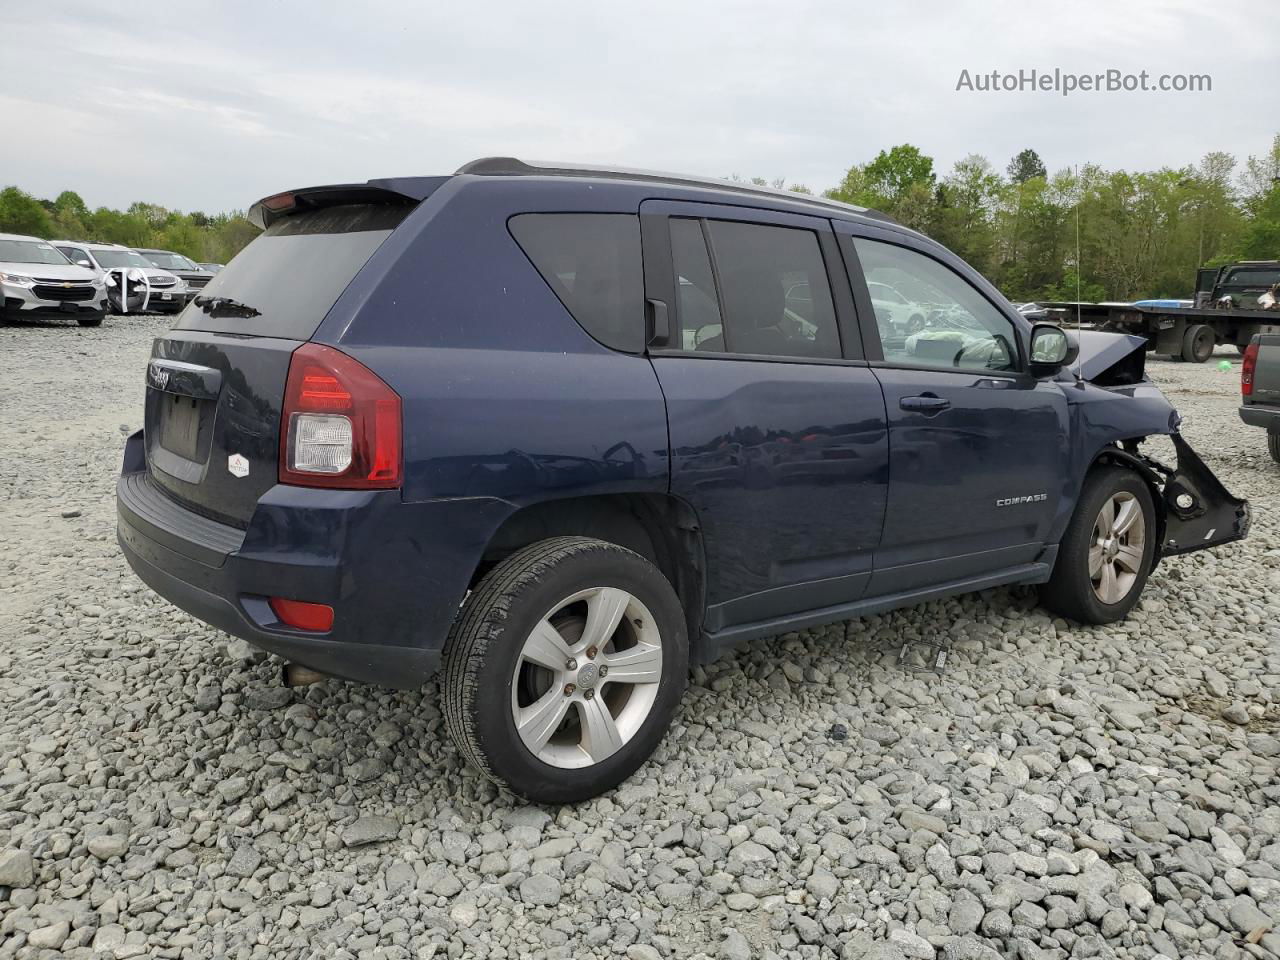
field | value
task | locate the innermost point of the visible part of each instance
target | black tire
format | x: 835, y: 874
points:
x: 92, y: 320
x: 483, y: 653
x: 1198, y: 342
x: 1070, y: 591
x: 1241, y: 348
x: 1273, y: 446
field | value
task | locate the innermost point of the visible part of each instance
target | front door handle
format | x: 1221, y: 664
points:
x: 925, y: 404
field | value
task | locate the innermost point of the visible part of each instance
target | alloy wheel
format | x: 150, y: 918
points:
x: 586, y: 678
x: 1118, y: 548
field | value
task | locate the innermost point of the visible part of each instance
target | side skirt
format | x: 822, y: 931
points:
x: 714, y: 644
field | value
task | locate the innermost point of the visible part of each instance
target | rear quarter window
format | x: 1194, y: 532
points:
x: 285, y: 281
x: 592, y: 263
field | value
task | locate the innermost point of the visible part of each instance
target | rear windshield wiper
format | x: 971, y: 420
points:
x: 226, y: 307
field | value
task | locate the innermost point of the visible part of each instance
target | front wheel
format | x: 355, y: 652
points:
x: 1106, y: 553
x: 565, y: 668
x: 92, y: 319
x: 1273, y: 446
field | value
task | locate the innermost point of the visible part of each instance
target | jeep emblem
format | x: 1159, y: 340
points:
x: 237, y: 465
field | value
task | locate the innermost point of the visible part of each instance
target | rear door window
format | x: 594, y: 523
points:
x: 285, y: 281
x: 592, y: 263
x: 767, y: 294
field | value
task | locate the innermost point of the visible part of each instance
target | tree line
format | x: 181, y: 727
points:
x: 203, y: 238
x: 1138, y: 234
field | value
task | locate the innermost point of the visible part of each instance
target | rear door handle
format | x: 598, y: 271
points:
x: 925, y: 404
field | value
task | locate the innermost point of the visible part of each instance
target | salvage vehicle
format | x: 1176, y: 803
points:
x: 461, y: 424
x: 133, y: 283
x: 194, y: 275
x: 1260, y: 388
x: 1232, y: 304
x: 38, y: 282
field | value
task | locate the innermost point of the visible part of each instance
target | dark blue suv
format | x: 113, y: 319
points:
x: 559, y: 432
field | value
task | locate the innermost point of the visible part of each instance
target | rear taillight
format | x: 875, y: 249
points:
x: 340, y: 425
x: 1246, y: 370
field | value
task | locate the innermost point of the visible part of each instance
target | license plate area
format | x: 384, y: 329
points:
x: 180, y: 420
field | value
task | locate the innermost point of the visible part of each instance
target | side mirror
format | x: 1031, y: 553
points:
x: 83, y: 263
x: 1052, y: 348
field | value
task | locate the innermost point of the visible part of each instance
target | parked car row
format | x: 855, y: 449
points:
x: 43, y: 278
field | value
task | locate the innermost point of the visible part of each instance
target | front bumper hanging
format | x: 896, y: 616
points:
x: 1199, y: 511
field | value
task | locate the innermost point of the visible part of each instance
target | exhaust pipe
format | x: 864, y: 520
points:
x: 296, y: 675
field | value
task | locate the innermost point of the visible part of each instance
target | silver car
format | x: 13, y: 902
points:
x: 36, y: 281
x: 150, y: 289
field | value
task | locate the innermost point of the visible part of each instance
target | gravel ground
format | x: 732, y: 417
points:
x: 1056, y: 791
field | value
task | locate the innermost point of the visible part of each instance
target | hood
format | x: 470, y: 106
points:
x: 1109, y: 359
x: 49, y: 271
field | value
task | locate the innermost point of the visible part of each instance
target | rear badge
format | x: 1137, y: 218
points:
x: 237, y: 465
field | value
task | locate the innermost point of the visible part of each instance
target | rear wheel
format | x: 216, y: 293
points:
x: 565, y: 668
x: 1273, y: 446
x: 1198, y: 343
x: 1106, y: 553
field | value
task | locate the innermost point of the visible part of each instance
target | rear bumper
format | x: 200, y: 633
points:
x: 1257, y: 415
x: 364, y: 662
x: 395, y: 573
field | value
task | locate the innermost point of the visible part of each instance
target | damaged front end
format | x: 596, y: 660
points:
x: 1116, y: 405
x: 1199, y: 511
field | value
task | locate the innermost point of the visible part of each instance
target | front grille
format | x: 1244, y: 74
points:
x: 74, y: 293
x: 163, y: 281
x: 198, y: 281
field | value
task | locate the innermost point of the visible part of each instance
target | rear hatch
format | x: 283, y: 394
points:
x: 215, y: 383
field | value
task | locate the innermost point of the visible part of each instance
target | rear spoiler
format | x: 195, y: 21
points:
x: 390, y: 190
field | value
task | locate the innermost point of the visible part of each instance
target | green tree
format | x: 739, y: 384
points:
x: 1025, y: 166
x: 22, y: 213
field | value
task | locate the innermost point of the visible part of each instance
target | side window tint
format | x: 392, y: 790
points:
x: 928, y: 315
x: 592, y: 262
x: 773, y: 283
x: 697, y: 307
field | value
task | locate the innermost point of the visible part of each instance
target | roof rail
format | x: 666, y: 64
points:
x: 512, y: 167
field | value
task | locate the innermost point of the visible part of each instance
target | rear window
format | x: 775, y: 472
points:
x: 1253, y: 277
x: 592, y: 262
x: 285, y: 281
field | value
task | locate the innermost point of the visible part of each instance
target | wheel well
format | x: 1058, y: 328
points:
x: 662, y: 529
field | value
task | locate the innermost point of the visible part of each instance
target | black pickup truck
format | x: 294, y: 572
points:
x: 1232, y: 304
x: 1260, y: 388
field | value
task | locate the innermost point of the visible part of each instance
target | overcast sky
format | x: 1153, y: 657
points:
x: 209, y: 106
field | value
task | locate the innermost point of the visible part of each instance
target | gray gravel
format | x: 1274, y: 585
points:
x: 1057, y: 791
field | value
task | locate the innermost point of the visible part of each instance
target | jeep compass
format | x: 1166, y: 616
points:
x: 556, y: 433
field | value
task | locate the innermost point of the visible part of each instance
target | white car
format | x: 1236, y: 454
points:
x: 36, y: 281
x: 168, y: 293
x: 894, y: 312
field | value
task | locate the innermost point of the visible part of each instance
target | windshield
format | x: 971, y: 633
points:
x: 30, y: 251
x: 121, y: 258
x: 284, y: 282
x: 171, y: 261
